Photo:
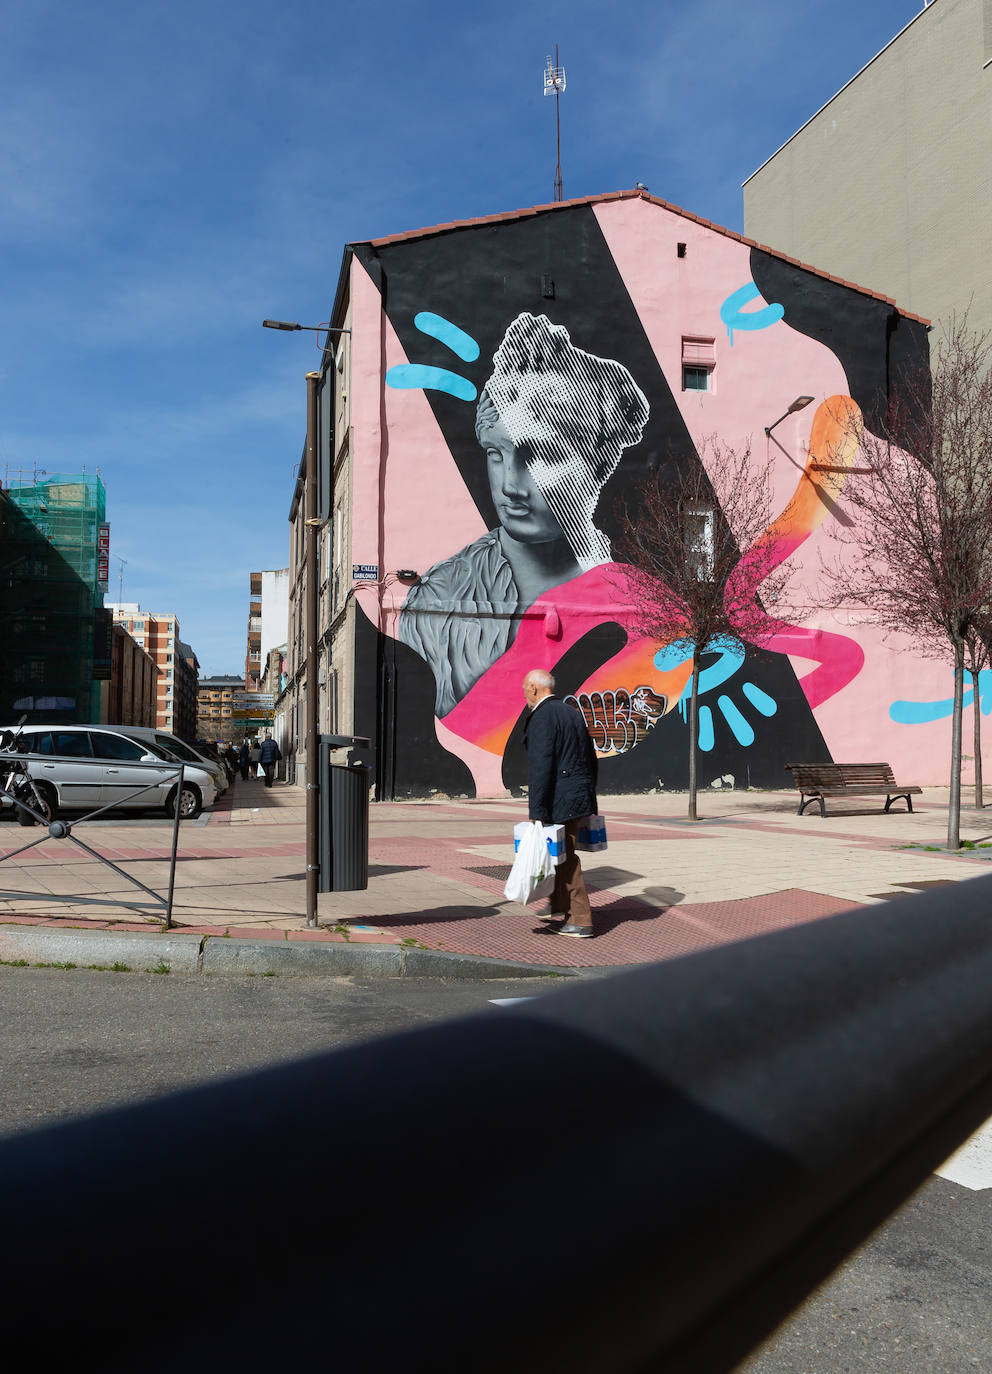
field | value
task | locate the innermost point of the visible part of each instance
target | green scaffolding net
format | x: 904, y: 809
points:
x: 50, y: 598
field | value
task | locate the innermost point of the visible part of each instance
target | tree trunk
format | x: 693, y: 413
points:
x: 693, y: 731
x: 954, y: 801
x: 979, y: 802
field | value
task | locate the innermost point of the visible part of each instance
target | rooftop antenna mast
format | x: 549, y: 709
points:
x: 123, y: 563
x: 554, y: 84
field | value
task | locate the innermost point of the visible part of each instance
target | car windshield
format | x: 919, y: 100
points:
x: 180, y: 751
x: 158, y: 751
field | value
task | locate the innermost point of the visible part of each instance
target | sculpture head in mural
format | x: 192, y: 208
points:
x: 553, y: 422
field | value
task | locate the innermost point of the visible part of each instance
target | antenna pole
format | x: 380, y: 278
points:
x: 554, y: 83
x: 559, y: 195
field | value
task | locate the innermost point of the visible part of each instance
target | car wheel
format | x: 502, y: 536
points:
x: 190, y: 803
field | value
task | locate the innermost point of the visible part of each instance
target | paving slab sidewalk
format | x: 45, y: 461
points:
x: 665, y: 887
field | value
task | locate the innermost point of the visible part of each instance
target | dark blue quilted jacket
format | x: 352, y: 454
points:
x: 561, y: 764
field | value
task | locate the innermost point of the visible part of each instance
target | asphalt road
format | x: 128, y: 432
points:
x: 76, y: 1040
x: 915, y: 1299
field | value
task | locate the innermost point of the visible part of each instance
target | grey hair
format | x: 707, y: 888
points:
x: 541, y: 678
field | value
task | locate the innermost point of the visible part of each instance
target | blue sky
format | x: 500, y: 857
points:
x: 172, y: 173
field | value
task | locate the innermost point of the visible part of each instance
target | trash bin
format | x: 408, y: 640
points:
x: 344, y: 817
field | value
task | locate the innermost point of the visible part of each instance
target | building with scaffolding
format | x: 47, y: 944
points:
x: 54, y: 635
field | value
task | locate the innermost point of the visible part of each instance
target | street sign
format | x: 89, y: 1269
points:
x: 365, y: 572
x: 258, y: 714
x: 103, y: 557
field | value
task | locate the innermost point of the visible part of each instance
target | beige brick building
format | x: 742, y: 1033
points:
x: 890, y: 183
x: 158, y: 634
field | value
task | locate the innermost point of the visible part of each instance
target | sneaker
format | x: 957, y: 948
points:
x: 580, y: 932
x: 554, y: 916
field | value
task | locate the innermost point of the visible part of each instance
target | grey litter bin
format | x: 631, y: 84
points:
x: 344, y: 817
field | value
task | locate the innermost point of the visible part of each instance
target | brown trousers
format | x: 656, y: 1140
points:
x: 570, y: 897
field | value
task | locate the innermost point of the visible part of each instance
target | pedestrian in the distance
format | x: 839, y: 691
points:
x: 244, y: 760
x: 561, y: 784
x: 254, y: 756
x: 269, y: 755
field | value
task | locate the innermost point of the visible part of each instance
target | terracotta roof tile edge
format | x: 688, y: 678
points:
x: 633, y: 194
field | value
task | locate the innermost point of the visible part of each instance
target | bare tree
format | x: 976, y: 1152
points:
x: 918, y: 552
x: 682, y: 532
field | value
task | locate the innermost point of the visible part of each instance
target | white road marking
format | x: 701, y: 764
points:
x: 971, y: 1166
x: 509, y: 1001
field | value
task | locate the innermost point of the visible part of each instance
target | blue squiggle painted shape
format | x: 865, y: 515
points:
x: 447, y: 333
x: 920, y: 712
x: 739, y: 725
x: 731, y: 658
x: 761, y: 701
x: 672, y: 655
x: 408, y: 376
x: 925, y: 712
x: 734, y: 317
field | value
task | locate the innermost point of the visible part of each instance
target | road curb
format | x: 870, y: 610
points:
x: 133, y: 949
x: 221, y: 954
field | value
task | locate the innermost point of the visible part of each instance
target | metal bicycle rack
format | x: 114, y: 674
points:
x: 63, y: 830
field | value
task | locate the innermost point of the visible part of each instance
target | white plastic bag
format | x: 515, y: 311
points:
x: 533, y: 873
x: 554, y: 838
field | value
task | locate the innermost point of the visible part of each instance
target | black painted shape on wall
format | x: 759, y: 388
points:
x: 875, y: 345
x: 394, y: 707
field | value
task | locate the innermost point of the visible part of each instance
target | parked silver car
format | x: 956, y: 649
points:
x: 83, y: 767
x: 179, y: 749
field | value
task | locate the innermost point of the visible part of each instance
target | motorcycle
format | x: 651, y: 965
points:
x: 17, y: 783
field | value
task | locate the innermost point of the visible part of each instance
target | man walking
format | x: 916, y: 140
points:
x: 269, y: 755
x: 561, y: 778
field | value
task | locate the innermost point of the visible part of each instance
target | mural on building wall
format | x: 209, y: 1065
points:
x: 532, y: 375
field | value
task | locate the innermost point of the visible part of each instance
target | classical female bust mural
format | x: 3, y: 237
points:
x: 553, y: 422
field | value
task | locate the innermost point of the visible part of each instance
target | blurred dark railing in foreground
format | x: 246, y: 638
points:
x: 643, y: 1172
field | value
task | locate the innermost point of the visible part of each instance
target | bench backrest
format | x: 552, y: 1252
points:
x: 841, y: 774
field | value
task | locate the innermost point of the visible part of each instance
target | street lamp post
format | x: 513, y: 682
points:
x: 311, y: 524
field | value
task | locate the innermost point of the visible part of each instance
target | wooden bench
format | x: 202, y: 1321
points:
x: 819, y: 780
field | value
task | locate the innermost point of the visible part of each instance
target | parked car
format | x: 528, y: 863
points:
x: 212, y: 751
x: 172, y: 744
x: 83, y: 767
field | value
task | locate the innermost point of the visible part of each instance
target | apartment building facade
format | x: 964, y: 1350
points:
x: 890, y: 183
x: 178, y: 674
x: 130, y: 695
x: 268, y: 616
x: 217, y: 700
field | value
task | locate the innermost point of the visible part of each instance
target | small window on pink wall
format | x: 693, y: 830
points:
x: 698, y: 363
